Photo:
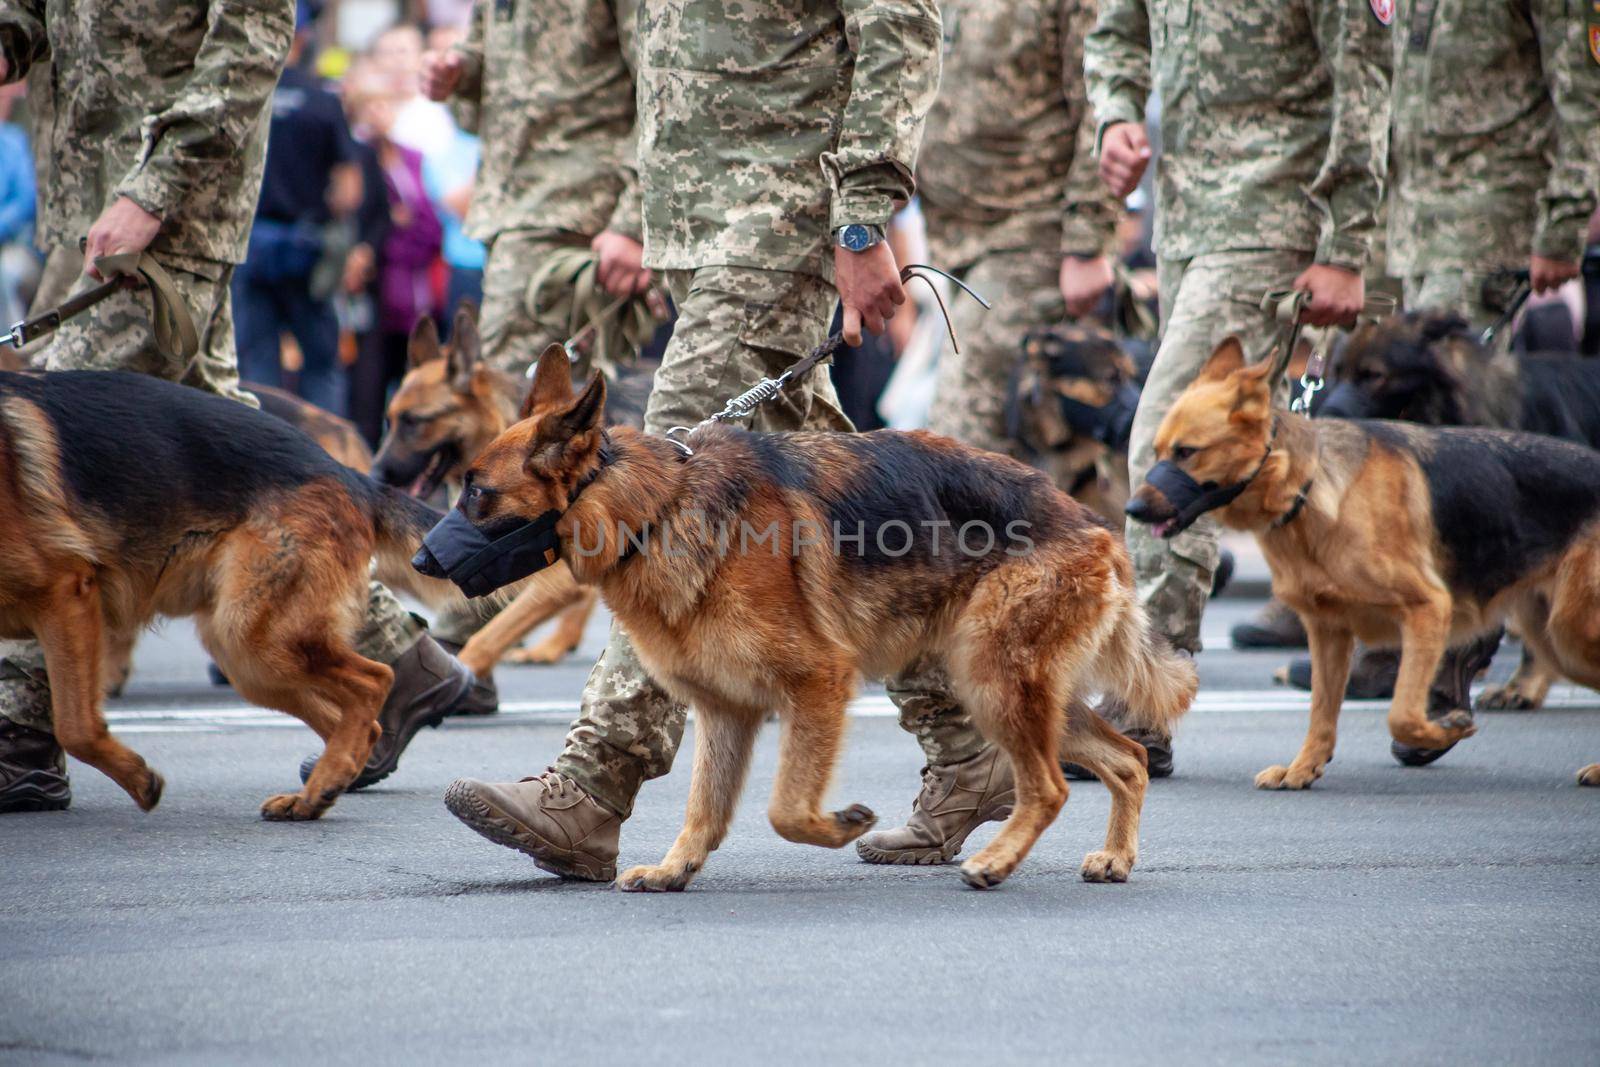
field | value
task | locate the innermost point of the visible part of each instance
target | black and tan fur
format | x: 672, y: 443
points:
x: 337, y: 436
x: 1085, y: 364
x: 125, y: 498
x: 1428, y: 367
x: 1409, y: 535
x: 756, y: 628
x: 448, y: 407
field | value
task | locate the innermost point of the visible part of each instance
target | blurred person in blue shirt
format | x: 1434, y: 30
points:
x: 449, y: 174
x: 312, y: 180
x: 19, y: 264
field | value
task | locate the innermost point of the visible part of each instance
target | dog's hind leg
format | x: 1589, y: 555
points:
x: 566, y: 635
x: 813, y: 734
x: 1527, y: 688
x: 1331, y: 649
x: 1574, y: 630
x: 1424, y: 631
x: 723, y: 740
x: 71, y: 631
x: 1091, y: 742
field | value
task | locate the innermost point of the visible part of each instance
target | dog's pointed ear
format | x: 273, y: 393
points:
x: 552, y: 382
x: 585, y: 413
x: 465, y: 347
x: 424, y: 344
x: 1225, y: 360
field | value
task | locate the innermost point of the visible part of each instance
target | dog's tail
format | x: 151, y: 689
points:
x: 1157, y: 682
x: 400, y: 522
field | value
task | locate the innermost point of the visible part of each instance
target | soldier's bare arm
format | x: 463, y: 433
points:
x: 1569, y: 46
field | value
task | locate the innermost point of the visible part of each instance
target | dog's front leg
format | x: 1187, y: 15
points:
x: 1331, y: 648
x: 1424, y: 632
x: 723, y: 740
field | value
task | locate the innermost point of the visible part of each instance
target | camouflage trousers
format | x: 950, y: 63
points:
x: 512, y: 337
x: 972, y: 387
x: 1203, y: 300
x: 1451, y: 290
x: 115, y: 335
x: 735, y: 325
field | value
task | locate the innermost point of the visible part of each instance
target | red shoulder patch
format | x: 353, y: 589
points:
x: 1383, y: 11
x: 1594, y: 42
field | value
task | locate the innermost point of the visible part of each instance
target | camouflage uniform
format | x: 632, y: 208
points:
x: 549, y: 88
x: 166, y: 104
x: 1496, y: 151
x: 1008, y: 160
x: 1275, y: 125
x: 763, y: 126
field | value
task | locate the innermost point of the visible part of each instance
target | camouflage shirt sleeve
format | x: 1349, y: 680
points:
x: 219, y: 104
x: 1088, y: 211
x: 1348, y: 188
x: 896, y: 76
x: 1116, y: 64
x: 627, y: 218
x: 23, y: 40
x: 1572, y: 66
x: 466, y: 101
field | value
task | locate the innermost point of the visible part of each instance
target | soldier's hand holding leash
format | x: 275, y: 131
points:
x: 122, y: 227
x: 1545, y: 274
x: 1335, y: 295
x: 868, y: 279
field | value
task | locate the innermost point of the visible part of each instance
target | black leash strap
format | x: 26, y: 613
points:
x: 744, y: 405
x: 170, y: 321
x: 1519, y: 296
x: 1285, y: 306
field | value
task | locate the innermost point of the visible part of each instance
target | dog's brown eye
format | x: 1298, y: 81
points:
x: 1182, y: 452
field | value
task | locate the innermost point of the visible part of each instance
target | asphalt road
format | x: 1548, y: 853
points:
x: 1445, y: 914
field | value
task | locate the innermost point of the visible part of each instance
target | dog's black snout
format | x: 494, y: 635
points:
x: 424, y: 563
x: 1344, y: 401
x: 1139, y: 509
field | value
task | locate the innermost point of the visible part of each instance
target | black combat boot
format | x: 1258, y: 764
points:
x: 33, y: 770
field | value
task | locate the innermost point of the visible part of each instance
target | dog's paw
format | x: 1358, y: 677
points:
x: 654, y: 879
x: 288, y: 807
x: 1106, y: 867
x: 540, y: 655
x: 1277, y: 777
x: 1504, y: 698
x: 981, y: 875
x: 148, y: 797
x: 1590, y: 775
x: 854, y: 821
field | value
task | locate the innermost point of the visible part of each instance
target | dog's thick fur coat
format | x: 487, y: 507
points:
x: 125, y: 498
x: 1396, y: 534
x: 738, y: 626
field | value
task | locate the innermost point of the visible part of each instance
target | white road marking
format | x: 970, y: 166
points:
x: 211, y: 719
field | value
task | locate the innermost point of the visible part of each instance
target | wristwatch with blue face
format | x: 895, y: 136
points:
x: 857, y: 237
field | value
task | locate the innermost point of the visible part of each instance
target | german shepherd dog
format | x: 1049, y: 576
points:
x: 449, y: 406
x: 739, y: 603
x: 125, y: 498
x: 1072, y: 412
x: 1428, y: 367
x: 1390, y: 532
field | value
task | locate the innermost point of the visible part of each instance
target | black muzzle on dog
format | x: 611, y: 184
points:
x: 1189, y: 499
x: 1111, y: 423
x: 478, y: 564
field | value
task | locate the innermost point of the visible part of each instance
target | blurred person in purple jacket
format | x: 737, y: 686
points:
x: 403, y: 267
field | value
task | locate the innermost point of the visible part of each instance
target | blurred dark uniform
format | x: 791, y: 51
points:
x: 272, y: 290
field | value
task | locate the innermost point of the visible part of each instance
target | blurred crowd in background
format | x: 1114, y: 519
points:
x: 358, y: 230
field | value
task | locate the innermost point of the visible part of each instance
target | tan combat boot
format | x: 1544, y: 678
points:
x: 550, y: 817
x: 955, y: 800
